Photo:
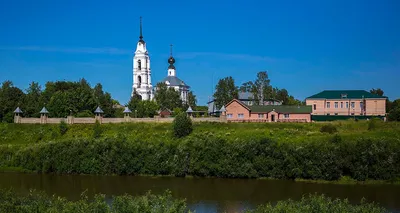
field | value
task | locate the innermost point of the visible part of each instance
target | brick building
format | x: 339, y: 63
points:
x: 237, y: 111
x: 347, y: 103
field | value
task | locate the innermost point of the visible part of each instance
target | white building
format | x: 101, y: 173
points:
x: 141, y: 70
x: 172, y: 81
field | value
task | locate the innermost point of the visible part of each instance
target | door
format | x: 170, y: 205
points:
x: 273, y: 118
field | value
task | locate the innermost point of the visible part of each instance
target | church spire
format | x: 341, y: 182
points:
x: 141, y: 35
x: 171, y: 61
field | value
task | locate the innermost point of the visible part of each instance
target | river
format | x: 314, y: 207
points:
x: 202, y: 194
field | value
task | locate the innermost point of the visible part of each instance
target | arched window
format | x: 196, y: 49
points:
x: 139, y: 64
x: 139, y: 80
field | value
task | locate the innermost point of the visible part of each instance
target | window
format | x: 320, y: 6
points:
x: 352, y: 113
x: 361, y: 105
x: 315, y: 106
x: 260, y: 115
x: 336, y: 104
x: 286, y: 115
x: 139, y: 64
x: 347, y: 104
x: 229, y: 116
x: 341, y: 104
x: 336, y: 114
x: 328, y: 104
x: 352, y: 104
x: 240, y: 115
x: 328, y: 113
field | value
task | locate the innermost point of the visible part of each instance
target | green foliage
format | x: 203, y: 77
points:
x: 10, y: 98
x: 394, y: 114
x: 84, y: 114
x: 182, y: 125
x: 63, y: 127
x: 328, y: 128
x: 177, y: 111
x: 235, y: 150
x: 167, y: 98
x: 147, y: 109
x: 40, y: 202
x: 192, y: 101
x: 318, y: 204
x: 61, y: 99
x: 374, y: 123
x: 225, y: 91
x: 97, y: 130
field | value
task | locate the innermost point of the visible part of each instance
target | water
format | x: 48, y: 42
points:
x: 202, y: 194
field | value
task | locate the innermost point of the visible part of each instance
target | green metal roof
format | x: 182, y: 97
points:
x: 281, y: 109
x: 344, y: 94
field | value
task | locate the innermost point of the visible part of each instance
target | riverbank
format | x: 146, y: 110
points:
x: 358, y: 150
x: 40, y: 202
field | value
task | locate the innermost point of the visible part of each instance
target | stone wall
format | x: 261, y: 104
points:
x: 74, y: 120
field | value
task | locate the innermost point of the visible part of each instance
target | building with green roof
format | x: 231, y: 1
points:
x: 348, y: 103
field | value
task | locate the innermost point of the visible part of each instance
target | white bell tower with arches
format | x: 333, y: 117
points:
x: 141, y: 70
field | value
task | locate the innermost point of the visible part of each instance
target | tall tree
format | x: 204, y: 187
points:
x: 33, y: 100
x: 134, y: 101
x: 103, y: 100
x: 261, y: 84
x: 10, y: 98
x: 192, y: 99
x: 225, y: 91
x: 167, y: 98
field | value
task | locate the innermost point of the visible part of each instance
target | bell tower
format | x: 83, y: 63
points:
x: 141, y: 70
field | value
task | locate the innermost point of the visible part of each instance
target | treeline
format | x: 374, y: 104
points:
x: 61, y: 98
x: 392, y: 107
x: 205, y: 155
x: 150, y: 203
x: 260, y: 88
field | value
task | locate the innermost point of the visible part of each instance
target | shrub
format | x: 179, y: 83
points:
x: 336, y: 139
x: 63, y: 127
x: 97, y: 130
x: 182, y: 125
x: 328, y: 128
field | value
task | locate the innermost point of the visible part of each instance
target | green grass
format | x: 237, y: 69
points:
x: 282, y: 132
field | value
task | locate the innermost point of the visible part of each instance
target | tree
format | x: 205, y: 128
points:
x: 103, y: 100
x: 167, y: 98
x: 225, y: 91
x: 134, y: 101
x: 377, y: 91
x: 182, y: 125
x: 32, y: 100
x: 394, y: 112
x: 192, y: 99
x: 261, y: 84
x: 147, y: 109
x: 10, y: 98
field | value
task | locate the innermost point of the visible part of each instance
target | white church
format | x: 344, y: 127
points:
x: 142, y: 73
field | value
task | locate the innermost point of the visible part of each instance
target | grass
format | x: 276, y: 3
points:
x: 22, y: 134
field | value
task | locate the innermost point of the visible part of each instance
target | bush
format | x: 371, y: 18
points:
x: 318, y: 204
x: 182, y: 125
x: 63, y: 127
x: 40, y: 202
x: 328, y: 128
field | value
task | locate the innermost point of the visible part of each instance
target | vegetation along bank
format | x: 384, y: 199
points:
x: 317, y: 151
x: 40, y: 202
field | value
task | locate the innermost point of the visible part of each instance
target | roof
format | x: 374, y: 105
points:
x: 17, y: 110
x: 276, y: 108
x: 350, y: 94
x: 174, y: 81
x: 98, y: 110
x: 281, y: 109
x: 44, y: 111
x: 127, y: 110
x: 245, y: 95
x: 222, y: 109
x: 189, y: 109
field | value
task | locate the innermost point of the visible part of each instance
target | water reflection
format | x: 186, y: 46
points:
x: 202, y: 194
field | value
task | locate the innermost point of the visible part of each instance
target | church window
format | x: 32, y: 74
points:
x: 139, y: 64
x: 139, y: 80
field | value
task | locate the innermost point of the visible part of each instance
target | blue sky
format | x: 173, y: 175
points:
x: 306, y: 46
